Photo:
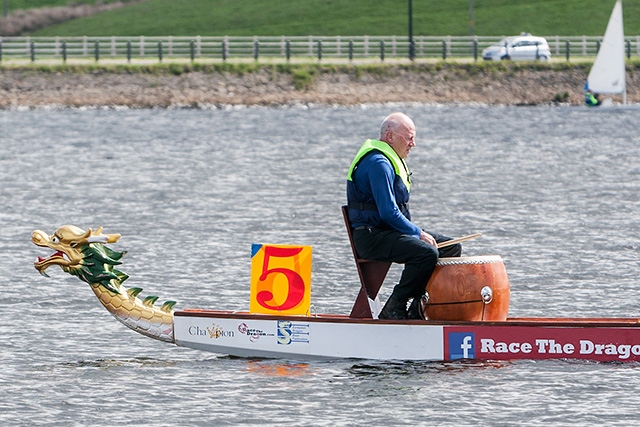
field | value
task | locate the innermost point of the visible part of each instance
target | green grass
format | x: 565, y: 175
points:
x: 347, y: 17
x: 304, y: 74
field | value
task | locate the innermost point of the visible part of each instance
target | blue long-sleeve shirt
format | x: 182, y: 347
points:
x: 374, y: 181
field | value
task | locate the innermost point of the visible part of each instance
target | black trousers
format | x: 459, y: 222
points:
x: 419, y: 258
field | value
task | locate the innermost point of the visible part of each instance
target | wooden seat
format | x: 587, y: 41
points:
x: 371, y: 273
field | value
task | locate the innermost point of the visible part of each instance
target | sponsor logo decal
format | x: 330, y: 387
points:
x: 566, y: 349
x: 461, y: 345
x: 253, y: 333
x: 214, y: 331
x: 292, y: 332
x: 605, y: 344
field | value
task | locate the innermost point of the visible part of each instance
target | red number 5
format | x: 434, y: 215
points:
x: 295, y: 281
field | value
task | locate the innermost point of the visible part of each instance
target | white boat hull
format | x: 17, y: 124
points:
x: 303, y: 338
x: 341, y: 337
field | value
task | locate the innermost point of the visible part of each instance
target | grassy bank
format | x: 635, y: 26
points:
x: 186, y: 84
x: 304, y: 74
x: 348, y: 17
x: 243, y: 67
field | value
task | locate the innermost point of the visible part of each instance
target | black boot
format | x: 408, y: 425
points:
x: 416, y: 308
x: 394, y: 309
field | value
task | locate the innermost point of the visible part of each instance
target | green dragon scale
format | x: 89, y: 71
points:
x: 84, y: 254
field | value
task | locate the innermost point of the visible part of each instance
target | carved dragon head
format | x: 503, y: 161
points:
x: 82, y: 254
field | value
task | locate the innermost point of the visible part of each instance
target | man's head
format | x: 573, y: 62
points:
x: 399, y: 131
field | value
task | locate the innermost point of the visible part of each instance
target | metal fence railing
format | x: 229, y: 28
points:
x: 311, y: 47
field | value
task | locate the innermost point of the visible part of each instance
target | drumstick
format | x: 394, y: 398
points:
x: 458, y: 240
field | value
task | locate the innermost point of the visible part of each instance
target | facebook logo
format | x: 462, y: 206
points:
x: 461, y: 345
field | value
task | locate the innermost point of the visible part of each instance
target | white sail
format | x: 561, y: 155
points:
x: 608, y: 72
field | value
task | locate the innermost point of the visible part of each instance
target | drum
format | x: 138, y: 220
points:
x: 468, y: 288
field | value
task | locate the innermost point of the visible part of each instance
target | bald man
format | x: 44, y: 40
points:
x: 378, y: 186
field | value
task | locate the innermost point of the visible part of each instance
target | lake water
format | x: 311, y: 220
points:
x: 554, y: 191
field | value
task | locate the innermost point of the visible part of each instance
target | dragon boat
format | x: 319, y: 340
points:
x: 465, y: 312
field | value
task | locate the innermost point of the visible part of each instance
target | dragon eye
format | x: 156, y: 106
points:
x: 55, y: 239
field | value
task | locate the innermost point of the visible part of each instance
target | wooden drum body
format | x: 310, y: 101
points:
x: 457, y: 289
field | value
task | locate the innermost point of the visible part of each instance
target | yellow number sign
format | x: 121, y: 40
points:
x: 280, y: 279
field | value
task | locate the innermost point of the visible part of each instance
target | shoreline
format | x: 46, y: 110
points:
x: 171, y: 85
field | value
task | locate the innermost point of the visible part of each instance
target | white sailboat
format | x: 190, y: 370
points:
x: 608, y: 74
